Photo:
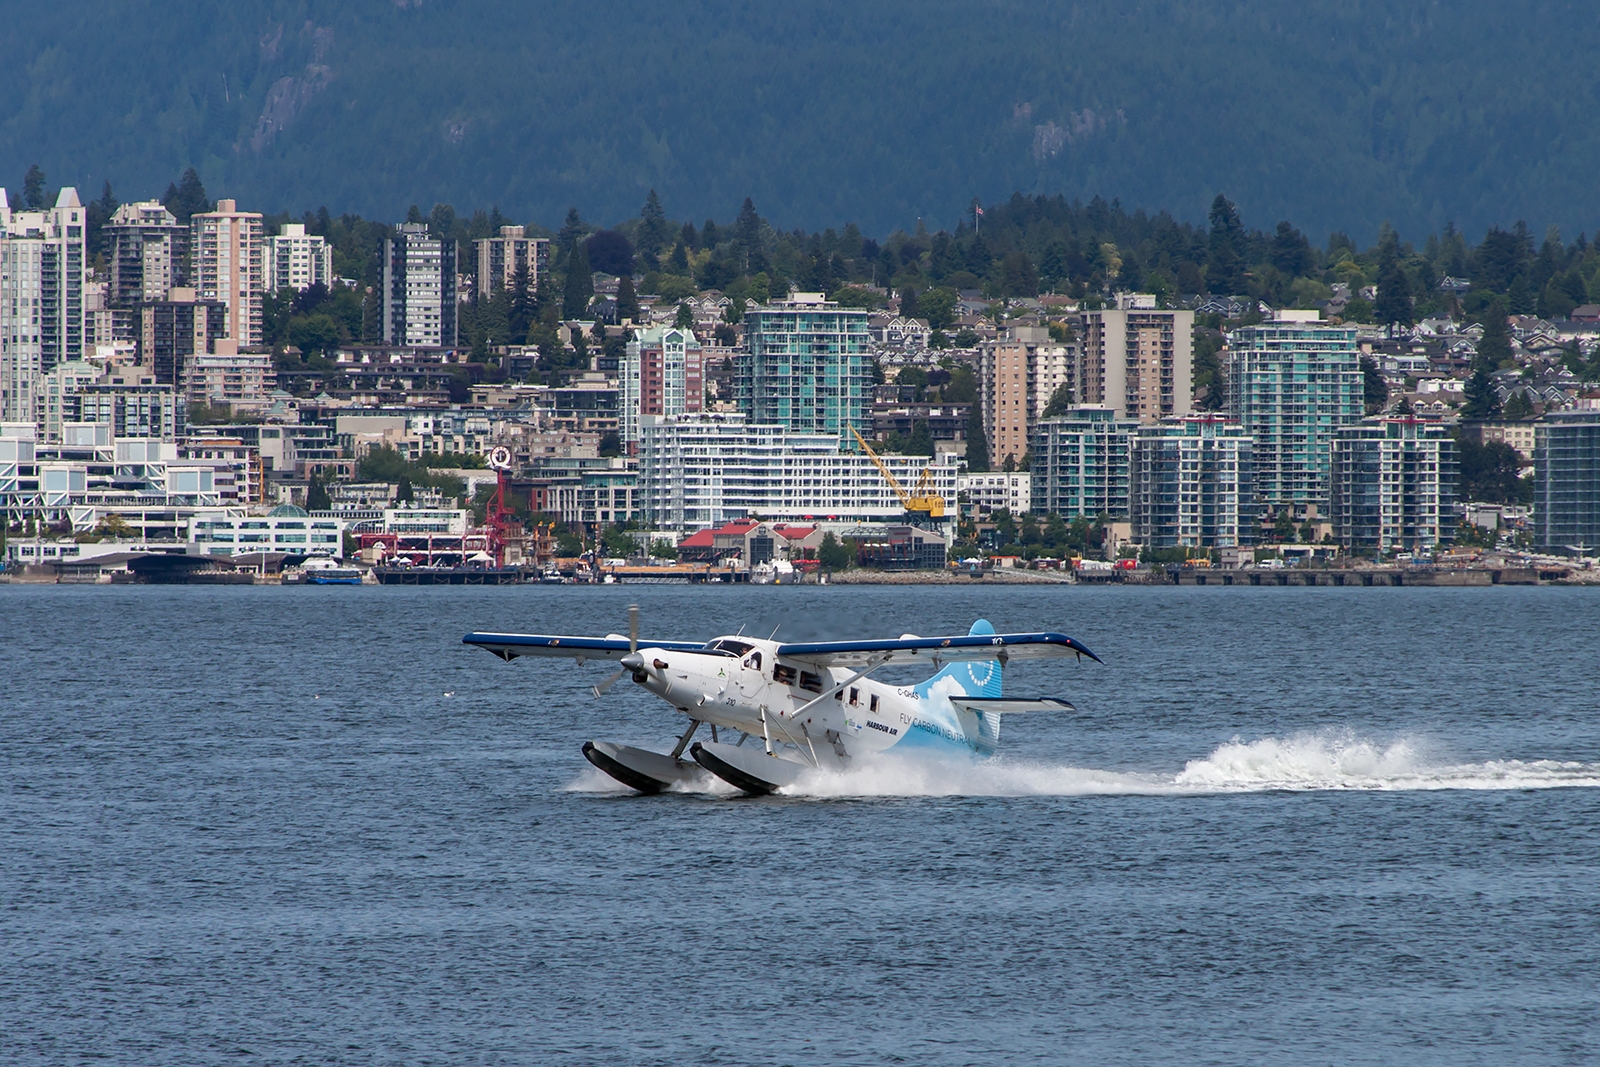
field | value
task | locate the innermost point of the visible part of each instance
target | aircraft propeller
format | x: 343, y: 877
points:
x: 633, y: 646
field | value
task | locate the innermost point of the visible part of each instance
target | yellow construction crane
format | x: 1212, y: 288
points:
x: 922, y: 499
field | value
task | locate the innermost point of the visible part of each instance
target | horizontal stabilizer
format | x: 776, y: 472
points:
x: 965, y: 648
x: 509, y: 646
x: 1010, y: 705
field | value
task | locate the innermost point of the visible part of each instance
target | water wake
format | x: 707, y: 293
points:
x: 1304, y: 762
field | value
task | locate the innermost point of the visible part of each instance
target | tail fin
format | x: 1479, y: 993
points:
x: 978, y: 679
x: 981, y: 679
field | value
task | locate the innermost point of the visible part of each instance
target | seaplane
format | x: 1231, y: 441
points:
x: 780, y: 710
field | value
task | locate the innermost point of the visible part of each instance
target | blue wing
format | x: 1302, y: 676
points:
x: 510, y: 646
x: 967, y: 647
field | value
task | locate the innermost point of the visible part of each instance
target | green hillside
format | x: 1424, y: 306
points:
x: 1335, y: 114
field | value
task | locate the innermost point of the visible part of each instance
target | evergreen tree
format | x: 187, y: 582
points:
x: 1375, y: 391
x: 977, y: 442
x: 187, y: 197
x: 1290, y: 252
x: 1393, y: 306
x: 96, y: 215
x: 1494, y: 348
x: 33, y: 189
x: 520, y: 315
x: 1223, y: 258
x: 1482, y: 402
x: 709, y: 234
x: 920, y: 443
x: 685, y: 318
x: 573, y: 230
x: 652, y: 225
x: 317, y: 498
x: 579, y: 283
x: 627, y: 301
x: 747, y: 235
x: 908, y: 303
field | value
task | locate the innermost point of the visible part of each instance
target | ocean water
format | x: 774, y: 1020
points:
x: 307, y: 826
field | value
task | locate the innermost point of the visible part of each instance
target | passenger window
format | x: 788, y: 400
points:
x: 783, y: 675
x: 810, y: 681
x: 855, y: 696
x: 874, y: 706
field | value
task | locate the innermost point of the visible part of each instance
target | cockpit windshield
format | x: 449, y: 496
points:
x: 729, y: 647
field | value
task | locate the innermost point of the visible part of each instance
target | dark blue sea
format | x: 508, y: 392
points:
x: 305, y: 825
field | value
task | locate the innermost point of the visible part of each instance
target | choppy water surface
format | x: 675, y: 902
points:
x: 306, y: 825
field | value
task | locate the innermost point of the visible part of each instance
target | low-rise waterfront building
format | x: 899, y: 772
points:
x: 286, y: 528
x: 981, y: 495
x: 704, y: 470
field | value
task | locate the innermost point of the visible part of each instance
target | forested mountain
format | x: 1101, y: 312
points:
x: 1338, y: 114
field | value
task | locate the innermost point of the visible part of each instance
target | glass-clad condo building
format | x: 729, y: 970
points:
x: 1080, y: 463
x: 1566, y: 463
x: 808, y: 369
x: 1393, y: 486
x: 1292, y: 383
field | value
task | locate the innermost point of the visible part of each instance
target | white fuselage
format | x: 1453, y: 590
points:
x: 741, y: 684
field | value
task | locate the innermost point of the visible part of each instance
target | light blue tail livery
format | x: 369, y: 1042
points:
x: 976, y: 679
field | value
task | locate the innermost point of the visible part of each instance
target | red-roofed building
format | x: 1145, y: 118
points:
x: 752, y: 542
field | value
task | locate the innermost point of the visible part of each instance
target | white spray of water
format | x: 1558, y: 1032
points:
x: 1303, y: 762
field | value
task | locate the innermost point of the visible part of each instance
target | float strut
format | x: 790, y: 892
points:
x: 683, y: 742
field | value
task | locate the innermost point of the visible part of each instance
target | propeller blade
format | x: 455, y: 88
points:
x: 600, y: 690
x: 633, y: 646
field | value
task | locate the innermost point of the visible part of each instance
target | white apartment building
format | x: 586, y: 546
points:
x: 419, y: 289
x: 296, y: 260
x: 225, y: 265
x: 1393, y: 485
x: 42, y: 281
x: 708, y: 469
x: 985, y: 494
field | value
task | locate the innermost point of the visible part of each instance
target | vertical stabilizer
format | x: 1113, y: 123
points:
x: 976, y: 679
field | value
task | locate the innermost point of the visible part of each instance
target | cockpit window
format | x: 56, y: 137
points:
x: 728, y: 646
x: 754, y: 662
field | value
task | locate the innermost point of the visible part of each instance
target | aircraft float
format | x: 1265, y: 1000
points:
x: 802, y: 706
